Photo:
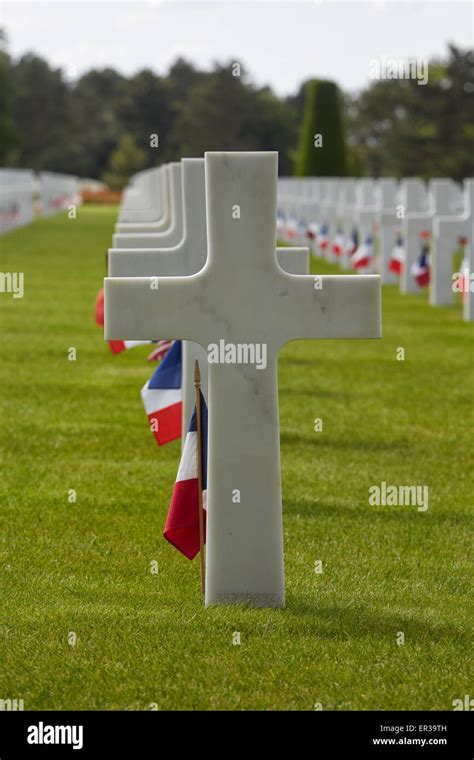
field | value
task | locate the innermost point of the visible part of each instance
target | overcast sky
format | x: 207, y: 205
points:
x: 281, y: 43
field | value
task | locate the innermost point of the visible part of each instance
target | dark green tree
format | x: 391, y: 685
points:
x: 224, y: 112
x: 321, y: 150
x: 146, y: 112
x: 8, y: 133
x: 99, y: 100
x: 41, y: 102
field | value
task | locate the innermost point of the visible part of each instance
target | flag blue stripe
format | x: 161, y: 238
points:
x: 193, y: 429
x: 168, y: 374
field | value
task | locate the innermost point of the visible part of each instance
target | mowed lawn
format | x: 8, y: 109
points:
x: 144, y: 640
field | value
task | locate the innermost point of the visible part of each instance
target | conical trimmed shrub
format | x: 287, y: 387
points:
x: 322, y: 124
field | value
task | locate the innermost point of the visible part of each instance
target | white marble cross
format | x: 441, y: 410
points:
x: 328, y: 211
x: 446, y: 231
x: 141, y: 199
x: 243, y: 307
x: 364, y: 213
x: 442, y: 198
x: 158, y: 197
x: 345, y: 216
x: 170, y: 235
x: 386, y: 222
x: 187, y: 258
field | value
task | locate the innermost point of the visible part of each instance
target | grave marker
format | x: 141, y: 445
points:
x: 161, y: 206
x: 441, y: 195
x: 386, y: 220
x: 169, y: 236
x: 328, y: 210
x: 345, y: 217
x: 446, y: 231
x: 364, y: 216
x: 141, y: 199
x: 243, y: 302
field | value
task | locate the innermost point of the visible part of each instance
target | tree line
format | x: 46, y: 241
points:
x: 107, y: 125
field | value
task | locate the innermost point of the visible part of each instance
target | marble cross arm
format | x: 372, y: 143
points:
x: 145, y: 262
x: 152, y: 307
x: 330, y: 306
x: 178, y: 261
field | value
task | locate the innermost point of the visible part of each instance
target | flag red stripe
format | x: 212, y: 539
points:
x: 182, y: 522
x: 362, y: 262
x: 167, y: 422
x: 117, y: 346
x: 423, y: 279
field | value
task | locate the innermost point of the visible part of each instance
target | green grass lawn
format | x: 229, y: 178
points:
x: 145, y: 639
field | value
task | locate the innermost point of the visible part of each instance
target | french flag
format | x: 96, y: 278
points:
x: 182, y: 522
x: 364, y: 254
x: 397, y: 259
x: 312, y: 231
x: 338, y: 243
x: 323, y: 237
x: 162, y: 397
x: 420, y: 269
x: 353, y: 243
x: 117, y: 346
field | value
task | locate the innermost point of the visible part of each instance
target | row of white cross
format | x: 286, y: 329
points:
x: 194, y: 258
x: 386, y: 211
x: 22, y: 192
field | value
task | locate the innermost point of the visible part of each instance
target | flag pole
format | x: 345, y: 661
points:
x: 197, y: 386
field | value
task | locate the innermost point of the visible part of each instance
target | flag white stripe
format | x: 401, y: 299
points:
x: 155, y: 399
x: 134, y: 343
x: 188, y: 465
